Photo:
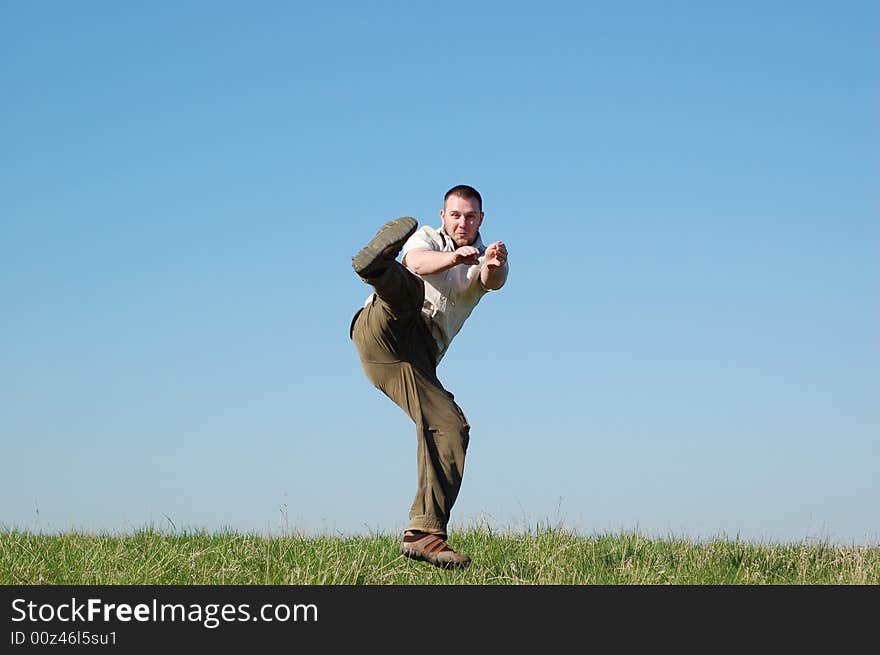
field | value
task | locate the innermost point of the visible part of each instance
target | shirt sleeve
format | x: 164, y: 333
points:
x: 421, y: 240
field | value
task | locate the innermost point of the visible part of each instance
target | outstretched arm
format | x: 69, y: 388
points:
x: 428, y: 262
x: 494, y: 273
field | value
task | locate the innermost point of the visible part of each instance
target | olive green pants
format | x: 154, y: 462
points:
x: 398, y: 355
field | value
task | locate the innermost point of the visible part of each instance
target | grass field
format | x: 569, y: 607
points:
x: 545, y: 556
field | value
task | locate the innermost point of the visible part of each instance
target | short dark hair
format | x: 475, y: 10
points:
x: 466, y: 192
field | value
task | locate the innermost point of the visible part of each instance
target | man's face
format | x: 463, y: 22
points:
x: 461, y: 219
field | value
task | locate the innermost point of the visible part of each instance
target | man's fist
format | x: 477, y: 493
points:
x: 466, y: 255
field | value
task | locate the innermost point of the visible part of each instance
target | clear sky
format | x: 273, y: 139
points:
x: 688, y: 344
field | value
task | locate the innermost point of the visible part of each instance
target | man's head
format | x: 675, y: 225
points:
x: 462, y: 214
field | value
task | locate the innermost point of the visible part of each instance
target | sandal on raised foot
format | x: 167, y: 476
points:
x: 433, y: 549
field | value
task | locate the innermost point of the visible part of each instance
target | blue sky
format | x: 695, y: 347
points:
x: 688, y: 344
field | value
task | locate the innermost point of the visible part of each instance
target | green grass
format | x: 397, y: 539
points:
x: 546, y: 556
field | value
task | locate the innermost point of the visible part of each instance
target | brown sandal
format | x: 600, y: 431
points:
x: 433, y: 549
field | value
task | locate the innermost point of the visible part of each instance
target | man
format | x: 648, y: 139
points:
x: 402, y: 333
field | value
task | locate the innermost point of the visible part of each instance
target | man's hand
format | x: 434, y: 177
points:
x: 466, y: 255
x: 494, y: 273
x: 496, y: 255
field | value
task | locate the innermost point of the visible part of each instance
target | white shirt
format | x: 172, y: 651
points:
x: 450, y: 296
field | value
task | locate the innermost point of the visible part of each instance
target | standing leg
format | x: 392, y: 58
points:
x: 443, y: 434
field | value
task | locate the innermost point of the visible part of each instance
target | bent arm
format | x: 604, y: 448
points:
x: 494, y: 278
x: 494, y: 272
